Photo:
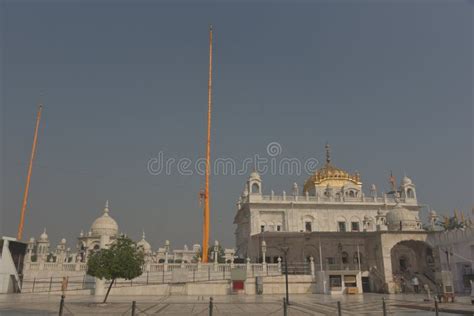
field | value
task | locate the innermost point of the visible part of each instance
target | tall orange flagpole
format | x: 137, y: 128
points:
x: 206, y: 222
x: 28, y: 177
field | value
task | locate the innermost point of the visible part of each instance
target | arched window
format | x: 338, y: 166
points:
x: 351, y: 193
x: 255, y: 188
x: 410, y: 194
x: 345, y: 257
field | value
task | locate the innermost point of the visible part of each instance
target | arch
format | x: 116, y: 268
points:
x: 410, y: 193
x: 255, y: 188
x: 341, y: 224
x: 355, y: 224
x: 308, y: 223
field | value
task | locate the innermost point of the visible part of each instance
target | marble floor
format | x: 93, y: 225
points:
x: 311, y: 304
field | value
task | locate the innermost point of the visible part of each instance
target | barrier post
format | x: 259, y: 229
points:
x: 61, y: 306
x: 285, y: 307
x: 211, y: 306
x: 339, y: 311
x: 384, y: 307
x: 436, y: 308
x: 134, y: 307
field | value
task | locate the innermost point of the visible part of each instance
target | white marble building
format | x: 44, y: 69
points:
x: 334, y: 222
x: 332, y: 200
x: 103, y: 231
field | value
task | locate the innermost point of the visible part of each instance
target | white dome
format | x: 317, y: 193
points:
x: 406, y: 181
x: 32, y: 240
x: 400, y: 216
x: 255, y: 175
x: 104, y: 225
x: 63, y: 241
x: 144, y: 244
x: 43, y: 236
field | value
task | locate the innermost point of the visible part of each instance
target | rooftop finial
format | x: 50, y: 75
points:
x: 106, y: 209
x: 328, y: 153
x: 143, y: 235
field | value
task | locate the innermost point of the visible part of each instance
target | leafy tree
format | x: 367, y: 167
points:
x: 122, y: 260
x: 210, y: 254
x: 450, y: 223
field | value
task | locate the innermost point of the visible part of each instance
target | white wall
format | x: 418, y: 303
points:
x: 7, y: 268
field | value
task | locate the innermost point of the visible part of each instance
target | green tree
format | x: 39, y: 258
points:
x: 450, y: 223
x: 122, y: 260
x: 210, y: 254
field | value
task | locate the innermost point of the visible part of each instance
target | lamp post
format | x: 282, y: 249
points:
x: 216, y: 251
x: 167, y: 250
x: 285, y: 250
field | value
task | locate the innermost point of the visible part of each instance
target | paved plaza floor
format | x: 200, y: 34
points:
x: 311, y: 304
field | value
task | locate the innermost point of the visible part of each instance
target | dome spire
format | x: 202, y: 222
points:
x: 328, y: 153
x: 106, y: 208
x: 143, y: 235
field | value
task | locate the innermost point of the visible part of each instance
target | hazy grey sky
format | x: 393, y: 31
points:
x: 388, y: 84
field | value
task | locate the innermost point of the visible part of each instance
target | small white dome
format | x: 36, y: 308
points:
x: 32, y: 240
x: 400, y: 216
x: 145, y: 245
x: 104, y: 225
x: 254, y: 176
x: 63, y: 241
x: 406, y: 181
x: 43, y: 236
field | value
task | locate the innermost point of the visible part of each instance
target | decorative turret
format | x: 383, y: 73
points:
x: 254, y: 183
x: 407, y: 189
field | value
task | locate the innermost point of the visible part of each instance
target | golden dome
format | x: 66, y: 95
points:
x: 331, y: 175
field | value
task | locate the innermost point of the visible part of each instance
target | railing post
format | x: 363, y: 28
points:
x: 134, y: 307
x: 147, y: 276
x: 211, y: 306
x: 384, y: 307
x: 34, y: 282
x: 61, y: 306
x: 339, y: 311
x: 50, y: 283
x: 436, y: 308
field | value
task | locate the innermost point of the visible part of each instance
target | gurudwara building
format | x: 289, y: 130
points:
x: 371, y: 241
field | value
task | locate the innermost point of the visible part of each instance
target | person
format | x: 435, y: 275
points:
x: 402, y: 285
x: 416, y: 284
